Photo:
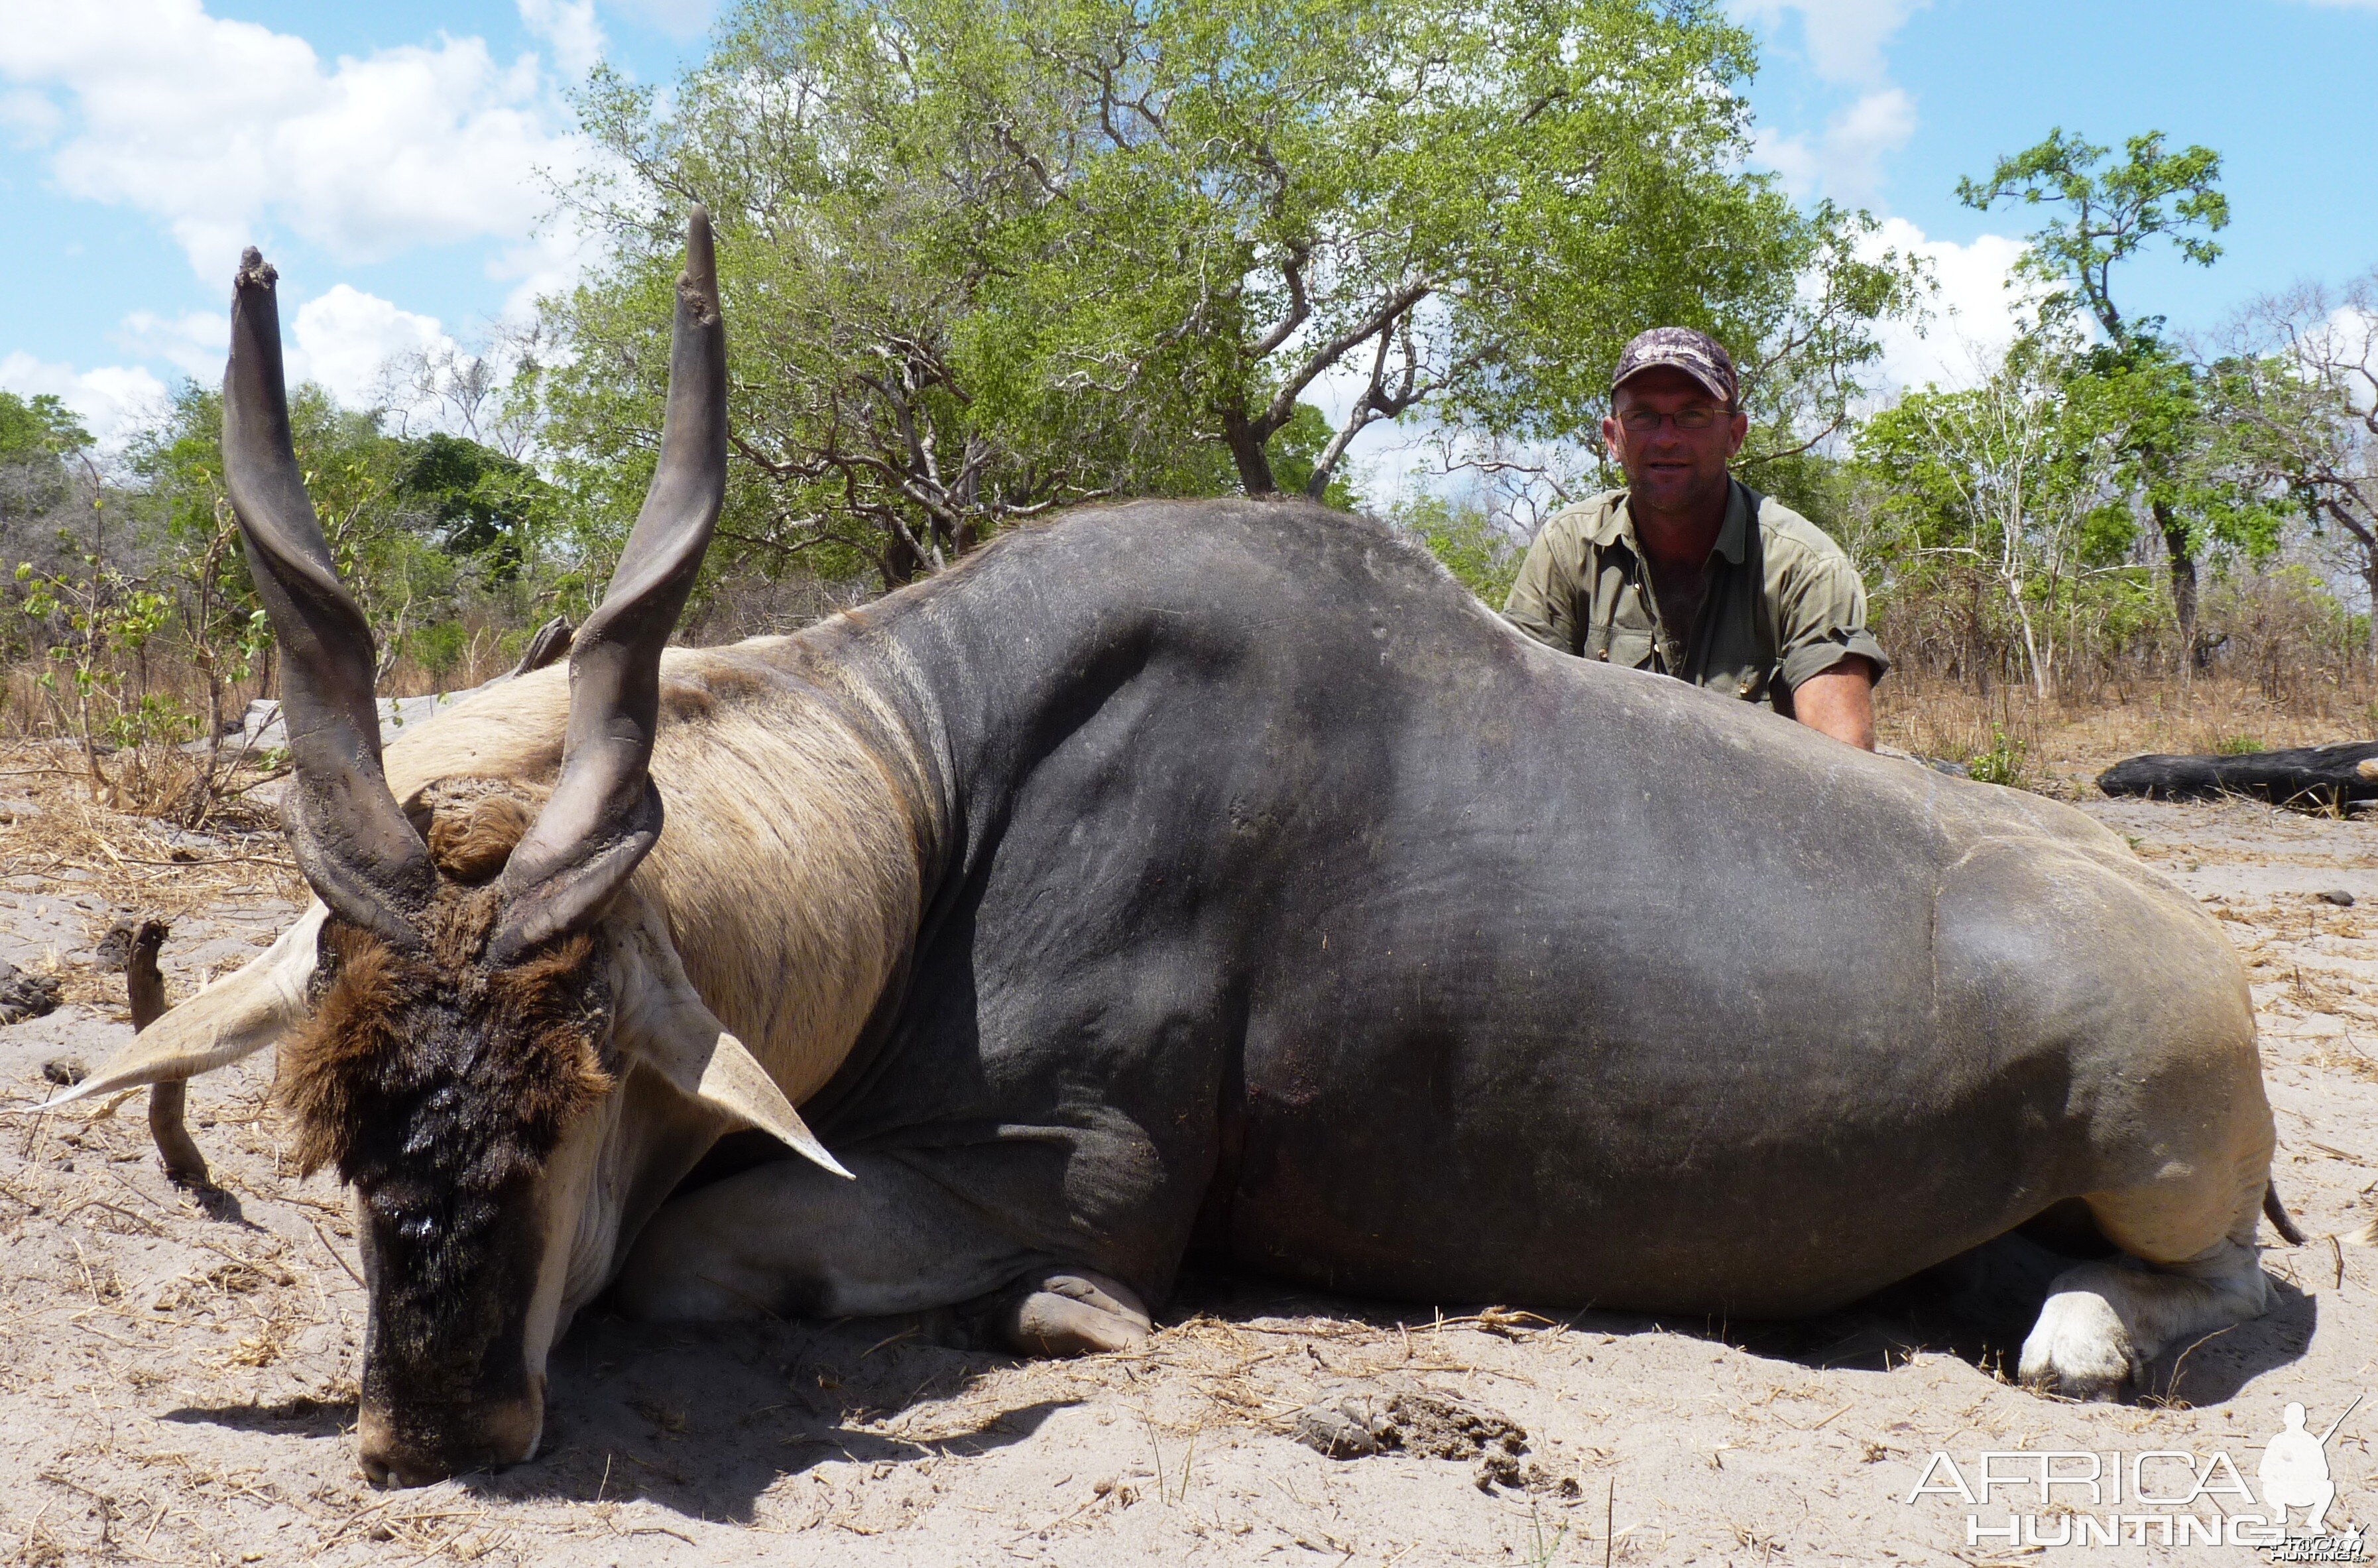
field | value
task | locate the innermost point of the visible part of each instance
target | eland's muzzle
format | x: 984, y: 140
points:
x: 413, y: 1448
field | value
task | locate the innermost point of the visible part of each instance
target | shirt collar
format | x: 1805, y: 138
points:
x: 1615, y: 527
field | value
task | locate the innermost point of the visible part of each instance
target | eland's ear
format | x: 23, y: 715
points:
x: 674, y: 1033
x: 237, y: 1016
x: 714, y: 1067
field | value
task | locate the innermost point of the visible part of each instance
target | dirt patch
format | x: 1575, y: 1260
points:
x: 177, y: 1370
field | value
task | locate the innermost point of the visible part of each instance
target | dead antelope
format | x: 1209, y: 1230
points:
x: 1212, y: 871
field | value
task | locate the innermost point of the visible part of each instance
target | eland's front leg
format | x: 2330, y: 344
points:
x: 787, y: 1239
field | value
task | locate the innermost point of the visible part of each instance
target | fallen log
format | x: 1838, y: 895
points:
x: 2307, y: 776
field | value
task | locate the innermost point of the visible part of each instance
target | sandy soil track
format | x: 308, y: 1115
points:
x: 177, y: 1374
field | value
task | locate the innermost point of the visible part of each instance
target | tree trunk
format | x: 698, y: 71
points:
x: 2182, y: 558
x: 2370, y: 575
x: 2040, y: 686
x: 900, y: 562
x: 1246, y: 439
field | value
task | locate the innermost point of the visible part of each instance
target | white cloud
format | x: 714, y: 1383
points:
x: 570, y: 27
x: 345, y: 339
x: 548, y: 262
x: 196, y: 344
x: 1975, y: 315
x: 216, y: 127
x: 110, y: 399
x: 1843, y: 38
x: 1847, y: 162
x: 30, y: 118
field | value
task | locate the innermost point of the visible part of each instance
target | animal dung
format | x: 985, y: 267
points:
x: 26, y: 995
x: 1352, y: 1420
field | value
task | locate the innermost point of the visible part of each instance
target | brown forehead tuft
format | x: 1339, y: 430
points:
x: 471, y: 826
x: 428, y: 1063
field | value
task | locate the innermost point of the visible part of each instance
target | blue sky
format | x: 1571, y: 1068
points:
x: 1887, y: 103
x: 387, y: 157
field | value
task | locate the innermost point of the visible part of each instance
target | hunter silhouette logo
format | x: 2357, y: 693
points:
x: 2295, y: 1469
x: 2161, y: 1497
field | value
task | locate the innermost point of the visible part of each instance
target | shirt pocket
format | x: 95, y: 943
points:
x: 1751, y: 684
x: 1631, y: 646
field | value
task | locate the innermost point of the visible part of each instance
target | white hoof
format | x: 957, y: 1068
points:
x: 2079, y: 1349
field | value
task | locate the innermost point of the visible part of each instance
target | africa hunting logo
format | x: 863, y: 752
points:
x: 2165, y: 1497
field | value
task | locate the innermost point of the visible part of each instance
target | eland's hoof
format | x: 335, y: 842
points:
x: 2079, y: 1350
x: 1075, y: 1313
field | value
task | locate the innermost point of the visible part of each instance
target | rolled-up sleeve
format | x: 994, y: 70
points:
x: 1542, y: 602
x: 1820, y: 616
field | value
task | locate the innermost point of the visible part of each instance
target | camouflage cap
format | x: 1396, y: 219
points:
x: 1696, y: 353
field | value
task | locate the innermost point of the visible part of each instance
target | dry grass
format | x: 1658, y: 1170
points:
x: 96, y: 865
x: 2065, y: 744
x: 236, y: 1313
x: 133, y: 858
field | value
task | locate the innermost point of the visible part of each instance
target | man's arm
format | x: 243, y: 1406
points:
x: 1829, y: 660
x: 1543, y: 601
x: 1839, y: 702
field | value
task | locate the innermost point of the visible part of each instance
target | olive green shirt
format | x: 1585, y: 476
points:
x: 1781, y: 602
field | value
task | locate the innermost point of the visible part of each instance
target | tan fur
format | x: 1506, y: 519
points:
x: 787, y: 864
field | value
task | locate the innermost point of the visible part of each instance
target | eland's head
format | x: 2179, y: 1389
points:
x: 480, y: 976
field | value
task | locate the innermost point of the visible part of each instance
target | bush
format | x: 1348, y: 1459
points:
x: 1473, y: 545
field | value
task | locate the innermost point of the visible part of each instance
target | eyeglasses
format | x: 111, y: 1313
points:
x: 1644, y: 421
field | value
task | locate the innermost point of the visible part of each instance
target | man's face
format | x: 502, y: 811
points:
x: 1671, y: 469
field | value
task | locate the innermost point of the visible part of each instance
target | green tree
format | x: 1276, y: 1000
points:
x: 1295, y: 454
x: 39, y: 427
x: 982, y: 259
x: 487, y: 506
x: 2013, y: 478
x: 414, y: 524
x: 2105, y: 214
x: 2296, y: 394
x: 1466, y: 536
x: 40, y: 439
x: 177, y: 462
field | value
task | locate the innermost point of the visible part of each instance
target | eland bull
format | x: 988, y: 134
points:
x: 1177, y: 875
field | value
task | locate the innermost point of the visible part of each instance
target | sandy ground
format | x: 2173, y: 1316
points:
x: 177, y: 1374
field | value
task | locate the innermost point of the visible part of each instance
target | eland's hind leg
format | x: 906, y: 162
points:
x: 2192, y: 1266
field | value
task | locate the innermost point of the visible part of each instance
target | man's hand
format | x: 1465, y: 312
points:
x: 1839, y: 702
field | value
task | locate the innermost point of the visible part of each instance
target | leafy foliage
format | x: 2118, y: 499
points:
x: 2294, y: 401
x: 983, y: 259
x: 39, y: 427
x: 487, y: 504
x: 2109, y: 215
x: 2103, y: 215
x: 1466, y: 536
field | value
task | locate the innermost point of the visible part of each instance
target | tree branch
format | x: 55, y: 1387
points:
x: 1283, y: 406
